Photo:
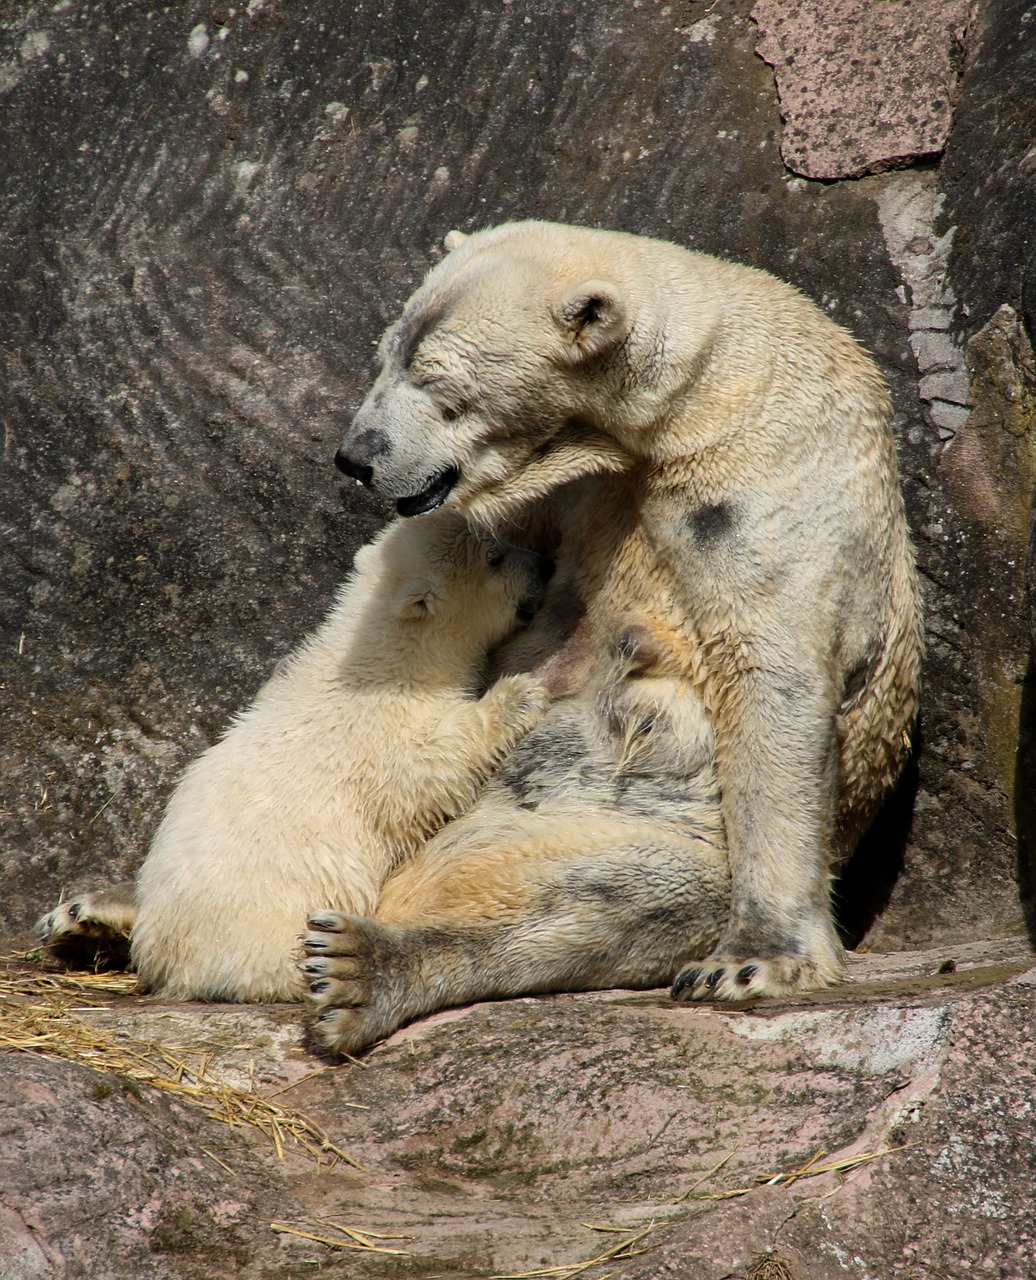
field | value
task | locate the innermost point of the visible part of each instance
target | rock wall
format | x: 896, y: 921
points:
x: 209, y: 213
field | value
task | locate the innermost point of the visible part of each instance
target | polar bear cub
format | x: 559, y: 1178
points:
x: 363, y: 743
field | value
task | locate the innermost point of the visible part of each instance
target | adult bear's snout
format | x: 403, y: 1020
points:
x: 360, y: 449
x: 356, y: 470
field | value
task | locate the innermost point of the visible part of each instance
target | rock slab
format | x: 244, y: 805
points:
x: 902, y: 1102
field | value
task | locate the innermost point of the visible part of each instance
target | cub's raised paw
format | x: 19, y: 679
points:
x: 354, y: 970
x: 90, y: 929
x: 723, y: 978
x: 522, y: 695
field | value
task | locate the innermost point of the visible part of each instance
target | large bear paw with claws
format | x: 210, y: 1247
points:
x: 356, y: 981
x: 726, y: 978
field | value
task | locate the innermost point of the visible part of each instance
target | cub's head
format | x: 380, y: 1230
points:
x: 500, y: 380
x: 446, y: 581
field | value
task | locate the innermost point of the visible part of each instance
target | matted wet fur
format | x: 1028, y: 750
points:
x: 553, y: 880
x: 714, y: 455
x: 732, y: 633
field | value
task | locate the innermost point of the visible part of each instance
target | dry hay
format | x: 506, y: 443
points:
x: 349, y: 1238
x: 811, y: 1169
x: 769, y: 1266
x: 624, y: 1249
x: 37, y: 1016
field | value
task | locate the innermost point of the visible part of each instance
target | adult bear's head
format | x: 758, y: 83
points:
x: 531, y: 355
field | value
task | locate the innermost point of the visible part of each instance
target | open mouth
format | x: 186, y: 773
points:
x: 433, y: 495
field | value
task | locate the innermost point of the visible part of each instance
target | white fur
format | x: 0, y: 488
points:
x: 361, y: 745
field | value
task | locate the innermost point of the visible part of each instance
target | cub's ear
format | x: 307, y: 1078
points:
x: 362, y: 560
x: 453, y: 240
x: 593, y: 317
x: 419, y: 600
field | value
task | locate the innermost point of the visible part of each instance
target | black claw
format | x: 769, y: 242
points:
x: 323, y: 922
x: 745, y: 975
x: 714, y: 978
x: 317, y: 944
x: 689, y: 978
x: 327, y: 1015
x: 314, y: 966
x: 318, y: 987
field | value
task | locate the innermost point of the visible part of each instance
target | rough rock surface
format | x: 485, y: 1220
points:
x: 231, y: 202
x: 193, y: 272
x: 626, y: 1110
x: 863, y: 87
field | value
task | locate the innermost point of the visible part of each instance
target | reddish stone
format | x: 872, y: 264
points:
x: 864, y: 87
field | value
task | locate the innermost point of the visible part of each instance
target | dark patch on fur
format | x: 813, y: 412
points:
x: 711, y: 523
x: 756, y: 933
x: 545, y: 760
x: 643, y: 891
x: 412, y: 330
x: 792, y: 687
x: 369, y: 444
x: 564, y: 610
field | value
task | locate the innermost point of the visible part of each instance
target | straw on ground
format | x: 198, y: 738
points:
x: 621, y: 1250
x: 350, y: 1238
x: 37, y: 1018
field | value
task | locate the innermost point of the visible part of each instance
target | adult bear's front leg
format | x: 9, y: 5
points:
x: 777, y: 760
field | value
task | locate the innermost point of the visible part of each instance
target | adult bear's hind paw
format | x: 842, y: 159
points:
x: 352, y: 975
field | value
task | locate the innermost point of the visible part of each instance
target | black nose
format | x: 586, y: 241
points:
x: 356, y: 470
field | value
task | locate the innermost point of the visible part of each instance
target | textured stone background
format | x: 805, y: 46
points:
x: 208, y: 212
x: 490, y: 1140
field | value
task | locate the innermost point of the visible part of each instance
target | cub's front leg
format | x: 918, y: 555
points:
x: 474, y: 738
x: 91, y: 928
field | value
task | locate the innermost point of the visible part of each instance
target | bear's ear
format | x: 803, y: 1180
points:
x: 593, y: 317
x: 362, y: 560
x: 453, y: 240
x: 418, y: 601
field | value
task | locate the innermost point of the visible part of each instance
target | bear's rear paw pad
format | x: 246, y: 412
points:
x: 355, y: 987
x: 728, y: 978
x: 89, y: 931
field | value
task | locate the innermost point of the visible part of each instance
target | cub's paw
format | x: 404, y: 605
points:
x: 522, y: 694
x: 353, y: 970
x: 724, y: 978
x: 91, y: 929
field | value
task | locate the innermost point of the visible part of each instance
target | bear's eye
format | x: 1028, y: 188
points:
x: 451, y: 413
x: 495, y: 557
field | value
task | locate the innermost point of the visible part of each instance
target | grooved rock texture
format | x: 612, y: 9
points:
x: 208, y: 213
x: 194, y: 270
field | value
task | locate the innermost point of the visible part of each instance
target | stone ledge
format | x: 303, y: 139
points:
x: 623, y: 1104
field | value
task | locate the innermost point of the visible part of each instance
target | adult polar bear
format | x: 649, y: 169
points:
x: 697, y: 445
